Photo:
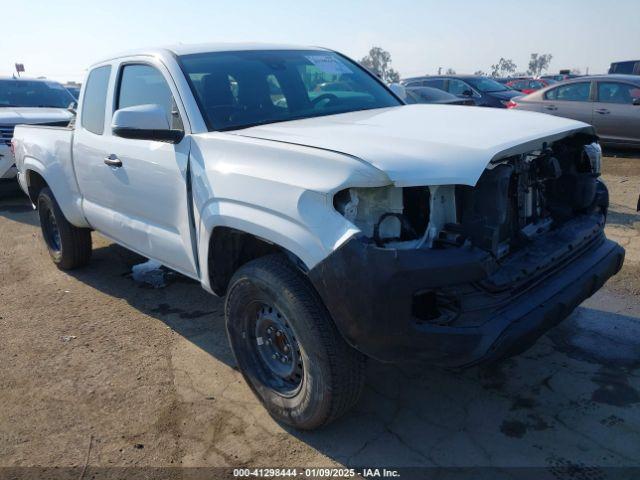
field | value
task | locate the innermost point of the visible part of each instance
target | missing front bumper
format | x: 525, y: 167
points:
x: 370, y: 293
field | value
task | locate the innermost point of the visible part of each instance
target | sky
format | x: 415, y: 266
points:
x: 59, y: 39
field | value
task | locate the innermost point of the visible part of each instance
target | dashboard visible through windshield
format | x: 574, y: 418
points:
x: 245, y: 88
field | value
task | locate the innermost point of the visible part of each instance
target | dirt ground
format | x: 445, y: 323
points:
x: 96, y: 369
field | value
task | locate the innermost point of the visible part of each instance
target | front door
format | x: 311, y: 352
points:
x: 135, y: 191
x: 615, y: 116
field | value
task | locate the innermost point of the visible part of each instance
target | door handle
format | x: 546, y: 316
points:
x: 550, y: 107
x: 603, y: 111
x: 113, y: 161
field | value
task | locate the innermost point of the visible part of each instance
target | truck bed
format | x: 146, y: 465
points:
x: 39, y: 148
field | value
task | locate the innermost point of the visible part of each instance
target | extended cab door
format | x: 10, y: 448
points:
x: 136, y: 191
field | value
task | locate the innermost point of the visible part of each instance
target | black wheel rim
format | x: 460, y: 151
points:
x: 276, y: 350
x: 51, y: 231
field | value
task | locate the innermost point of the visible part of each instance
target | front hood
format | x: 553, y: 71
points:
x: 31, y: 115
x: 424, y: 144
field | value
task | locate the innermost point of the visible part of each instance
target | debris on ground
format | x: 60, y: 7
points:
x: 67, y: 338
x: 150, y: 273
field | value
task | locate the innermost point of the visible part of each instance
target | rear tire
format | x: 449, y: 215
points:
x: 69, y: 246
x: 287, y: 346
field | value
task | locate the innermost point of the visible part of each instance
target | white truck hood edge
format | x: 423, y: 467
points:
x: 424, y: 144
x: 32, y: 115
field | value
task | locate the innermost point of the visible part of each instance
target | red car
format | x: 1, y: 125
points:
x: 528, y: 85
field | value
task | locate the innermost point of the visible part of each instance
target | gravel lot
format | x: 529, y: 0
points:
x: 96, y: 366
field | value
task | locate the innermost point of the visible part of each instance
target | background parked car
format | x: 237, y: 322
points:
x: 434, y: 95
x: 560, y: 77
x: 29, y: 101
x: 73, y: 90
x: 529, y: 85
x: 611, y: 103
x: 485, y: 91
x: 629, y: 67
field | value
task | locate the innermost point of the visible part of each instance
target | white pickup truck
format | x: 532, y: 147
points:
x: 340, y: 225
x: 29, y: 101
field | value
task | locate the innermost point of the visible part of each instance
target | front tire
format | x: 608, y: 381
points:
x: 68, y: 245
x: 287, y: 346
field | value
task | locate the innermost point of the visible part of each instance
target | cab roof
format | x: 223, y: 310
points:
x: 188, y: 49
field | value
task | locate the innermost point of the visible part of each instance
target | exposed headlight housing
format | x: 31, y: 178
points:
x: 408, y: 217
x: 375, y: 211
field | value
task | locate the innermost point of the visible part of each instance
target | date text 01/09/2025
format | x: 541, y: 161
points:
x: 315, y: 472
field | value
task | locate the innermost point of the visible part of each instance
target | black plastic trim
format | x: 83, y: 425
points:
x: 369, y: 291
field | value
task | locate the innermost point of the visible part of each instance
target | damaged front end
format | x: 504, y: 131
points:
x: 516, y: 199
x: 456, y: 274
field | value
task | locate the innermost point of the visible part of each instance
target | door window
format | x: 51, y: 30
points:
x: 435, y: 83
x: 622, y: 67
x: 572, y: 92
x: 95, y: 99
x: 614, y: 92
x: 145, y: 85
x: 458, y: 87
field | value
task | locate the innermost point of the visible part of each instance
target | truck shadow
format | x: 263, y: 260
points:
x: 567, y: 402
x: 17, y: 207
x: 570, y: 400
x: 619, y: 152
x: 182, y: 305
x: 615, y: 217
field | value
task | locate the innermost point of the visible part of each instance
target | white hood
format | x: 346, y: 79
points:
x: 33, y: 115
x: 424, y: 144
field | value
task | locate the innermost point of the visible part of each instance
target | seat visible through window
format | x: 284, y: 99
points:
x: 216, y: 90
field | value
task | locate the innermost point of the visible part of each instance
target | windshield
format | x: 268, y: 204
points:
x: 32, y: 93
x: 486, y: 85
x: 246, y: 88
x: 75, y: 91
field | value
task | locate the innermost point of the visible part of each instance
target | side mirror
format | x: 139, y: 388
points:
x: 73, y: 108
x: 636, y: 101
x: 467, y: 93
x: 144, y: 122
x: 399, y: 90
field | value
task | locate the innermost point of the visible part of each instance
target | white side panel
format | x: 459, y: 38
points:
x: 281, y: 193
x: 47, y: 151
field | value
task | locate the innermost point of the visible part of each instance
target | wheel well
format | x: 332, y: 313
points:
x: 229, y: 249
x: 35, y: 183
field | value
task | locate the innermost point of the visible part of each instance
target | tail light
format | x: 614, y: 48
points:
x: 511, y: 104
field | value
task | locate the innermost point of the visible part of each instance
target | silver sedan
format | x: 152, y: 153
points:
x: 611, y: 103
